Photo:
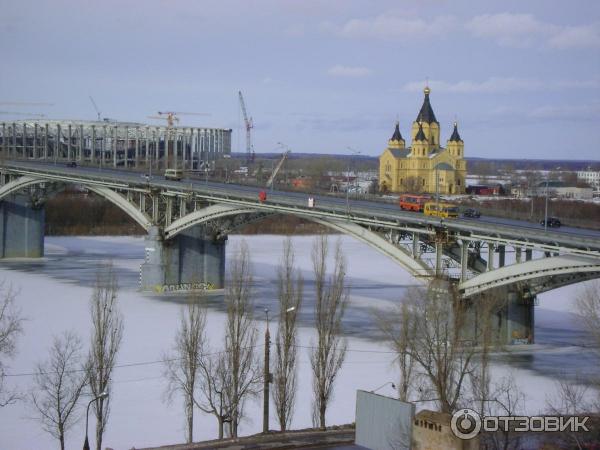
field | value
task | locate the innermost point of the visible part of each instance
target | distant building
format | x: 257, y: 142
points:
x: 562, y: 190
x: 590, y: 177
x: 413, y: 169
x: 482, y: 189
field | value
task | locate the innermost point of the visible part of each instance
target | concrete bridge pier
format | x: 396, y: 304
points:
x: 512, y: 319
x: 192, y: 259
x: 22, y: 219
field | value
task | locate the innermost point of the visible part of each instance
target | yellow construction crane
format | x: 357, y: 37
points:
x: 172, y: 116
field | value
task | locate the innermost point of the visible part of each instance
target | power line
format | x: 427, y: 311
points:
x: 162, y: 361
x: 119, y: 366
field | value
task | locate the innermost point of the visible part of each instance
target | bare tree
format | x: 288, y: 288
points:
x: 107, y: 333
x: 588, y: 305
x: 242, y: 368
x: 285, y: 372
x: 182, y: 365
x: 414, y: 185
x: 482, y: 332
x: 572, y: 398
x: 438, y: 347
x: 331, y: 298
x: 11, y: 326
x: 214, y: 377
x: 398, y: 329
x: 59, y: 383
x: 504, y: 399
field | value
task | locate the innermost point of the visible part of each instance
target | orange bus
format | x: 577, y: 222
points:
x: 413, y: 202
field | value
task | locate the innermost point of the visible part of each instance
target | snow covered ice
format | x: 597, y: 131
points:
x: 54, y: 296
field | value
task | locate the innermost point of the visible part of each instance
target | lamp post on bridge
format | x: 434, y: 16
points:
x: 354, y: 153
x: 546, y: 207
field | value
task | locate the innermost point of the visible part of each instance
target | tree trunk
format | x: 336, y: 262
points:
x: 98, y: 436
x: 220, y: 427
x: 190, y: 421
x: 322, y: 410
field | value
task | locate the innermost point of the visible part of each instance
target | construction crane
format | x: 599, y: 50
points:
x: 279, y: 165
x: 249, y: 125
x: 171, y: 116
x: 96, y: 108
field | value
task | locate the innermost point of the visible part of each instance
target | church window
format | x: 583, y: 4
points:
x: 401, y: 180
x: 423, y: 181
x: 458, y: 182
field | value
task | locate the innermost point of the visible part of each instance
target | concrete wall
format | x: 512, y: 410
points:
x: 21, y: 227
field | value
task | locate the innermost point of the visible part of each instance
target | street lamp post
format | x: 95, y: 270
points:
x: 384, y: 385
x: 266, y: 376
x: 86, y: 444
x: 546, y: 208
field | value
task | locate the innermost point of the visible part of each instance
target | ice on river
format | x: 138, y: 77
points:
x: 54, y: 294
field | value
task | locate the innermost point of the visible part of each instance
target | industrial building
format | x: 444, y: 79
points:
x: 114, y: 144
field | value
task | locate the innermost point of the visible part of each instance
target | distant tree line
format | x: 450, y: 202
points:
x: 76, y: 213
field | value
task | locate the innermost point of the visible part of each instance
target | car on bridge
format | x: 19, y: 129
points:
x: 553, y: 222
x: 471, y: 213
x: 71, y: 164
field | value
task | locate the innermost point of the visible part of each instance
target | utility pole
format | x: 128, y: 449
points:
x: 267, y: 377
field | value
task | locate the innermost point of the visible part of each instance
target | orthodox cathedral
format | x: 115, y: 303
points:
x: 413, y: 169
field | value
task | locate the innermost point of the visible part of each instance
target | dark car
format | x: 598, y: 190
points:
x: 472, y: 212
x: 71, y: 164
x: 553, y: 222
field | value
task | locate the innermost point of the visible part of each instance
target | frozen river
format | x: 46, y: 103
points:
x: 54, y: 296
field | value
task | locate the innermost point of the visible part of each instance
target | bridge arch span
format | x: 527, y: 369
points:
x: 541, y: 274
x: 114, y: 197
x: 415, y: 267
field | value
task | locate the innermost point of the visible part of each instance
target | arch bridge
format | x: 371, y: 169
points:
x: 187, y: 223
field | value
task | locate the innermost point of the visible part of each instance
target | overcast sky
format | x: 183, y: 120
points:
x: 521, y: 77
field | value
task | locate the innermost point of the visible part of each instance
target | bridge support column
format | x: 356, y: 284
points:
x: 464, y: 260
x: 520, y: 318
x: 518, y: 254
x: 501, y: 255
x: 528, y: 254
x: 490, y: 261
x: 193, y: 257
x: 438, y: 258
x: 21, y: 227
x: 415, y: 245
x: 510, y: 316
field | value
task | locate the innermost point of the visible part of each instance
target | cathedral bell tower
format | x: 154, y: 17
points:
x: 427, y: 121
x: 455, y: 144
